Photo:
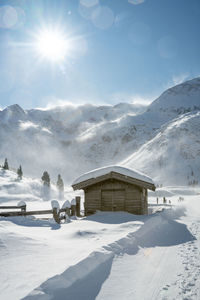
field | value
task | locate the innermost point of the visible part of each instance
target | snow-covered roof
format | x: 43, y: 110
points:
x: 117, y: 169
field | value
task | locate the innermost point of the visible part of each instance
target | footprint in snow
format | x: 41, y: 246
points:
x: 191, y: 284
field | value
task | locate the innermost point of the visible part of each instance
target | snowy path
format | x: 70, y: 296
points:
x: 139, y: 276
x: 146, y: 264
x: 105, y: 256
x: 31, y: 251
x: 158, y: 273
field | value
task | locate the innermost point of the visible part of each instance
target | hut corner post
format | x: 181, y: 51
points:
x: 78, y: 206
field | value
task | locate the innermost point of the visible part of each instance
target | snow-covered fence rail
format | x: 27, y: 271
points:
x: 31, y: 213
x: 68, y: 209
x: 22, y: 207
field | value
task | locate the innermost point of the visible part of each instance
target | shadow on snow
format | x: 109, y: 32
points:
x: 83, y: 281
x: 31, y: 222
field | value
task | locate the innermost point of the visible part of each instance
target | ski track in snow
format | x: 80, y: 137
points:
x: 158, y: 261
x: 189, y: 281
x: 170, y: 273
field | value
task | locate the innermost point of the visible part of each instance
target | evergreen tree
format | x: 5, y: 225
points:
x: 60, y: 183
x: 46, y: 178
x: 5, y: 166
x: 19, y: 172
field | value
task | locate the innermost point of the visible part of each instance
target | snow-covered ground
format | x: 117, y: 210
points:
x: 105, y: 256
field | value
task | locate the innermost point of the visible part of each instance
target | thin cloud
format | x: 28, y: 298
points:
x: 136, y: 2
x: 61, y: 103
x: 178, y: 79
x: 110, y: 100
x: 142, y: 101
x: 133, y: 99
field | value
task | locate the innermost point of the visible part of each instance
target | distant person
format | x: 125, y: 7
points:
x: 19, y: 173
x: 5, y: 166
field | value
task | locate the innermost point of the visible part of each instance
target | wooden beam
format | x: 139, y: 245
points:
x: 29, y: 213
x: 12, y: 207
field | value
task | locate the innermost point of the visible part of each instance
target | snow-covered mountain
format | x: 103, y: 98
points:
x: 53, y: 138
x: 180, y: 99
x: 73, y: 139
x: 173, y: 155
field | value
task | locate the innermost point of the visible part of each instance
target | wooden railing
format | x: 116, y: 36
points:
x: 74, y: 210
x: 22, y: 207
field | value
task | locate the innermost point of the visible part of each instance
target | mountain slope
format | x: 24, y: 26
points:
x: 181, y: 98
x: 173, y: 156
x: 71, y: 140
x: 53, y: 139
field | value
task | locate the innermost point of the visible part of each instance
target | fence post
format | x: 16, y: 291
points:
x: 56, y: 215
x: 68, y: 211
x: 73, y: 210
x: 78, y: 205
x: 23, y: 208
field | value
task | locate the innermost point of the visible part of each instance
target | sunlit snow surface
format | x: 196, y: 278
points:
x: 118, y: 169
x: 104, y: 256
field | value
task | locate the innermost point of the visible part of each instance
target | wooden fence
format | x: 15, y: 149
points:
x: 58, y: 214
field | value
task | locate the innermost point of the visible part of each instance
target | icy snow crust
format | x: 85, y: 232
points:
x: 118, y: 169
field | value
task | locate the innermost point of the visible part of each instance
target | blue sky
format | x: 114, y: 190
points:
x: 120, y: 50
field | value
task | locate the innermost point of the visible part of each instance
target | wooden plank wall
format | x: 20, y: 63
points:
x: 92, y: 199
x: 135, y: 197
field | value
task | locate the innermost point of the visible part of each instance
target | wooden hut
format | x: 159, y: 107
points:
x: 115, y: 188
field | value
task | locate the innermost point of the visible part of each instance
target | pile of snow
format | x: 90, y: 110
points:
x: 77, y: 281
x: 21, y: 203
x: 55, y: 204
x: 66, y: 204
x: 117, y: 169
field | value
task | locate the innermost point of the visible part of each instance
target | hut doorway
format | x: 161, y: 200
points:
x: 113, y: 200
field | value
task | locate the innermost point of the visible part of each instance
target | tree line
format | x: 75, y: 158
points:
x: 19, y: 170
x: 47, y: 181
x: 45, y: 177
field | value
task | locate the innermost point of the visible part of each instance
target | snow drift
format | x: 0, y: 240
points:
x: 77, y: 281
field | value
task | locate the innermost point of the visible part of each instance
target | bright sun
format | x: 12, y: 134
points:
x: 52, y: 45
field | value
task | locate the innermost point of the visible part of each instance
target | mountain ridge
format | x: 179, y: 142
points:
x: 74, y: 139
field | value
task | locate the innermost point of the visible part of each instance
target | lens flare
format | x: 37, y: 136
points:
x: 52, y: 45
